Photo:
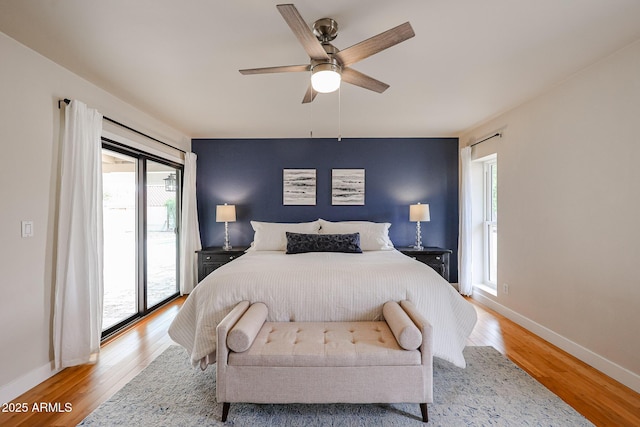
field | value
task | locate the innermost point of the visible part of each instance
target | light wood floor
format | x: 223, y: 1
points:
x: 599, y: 398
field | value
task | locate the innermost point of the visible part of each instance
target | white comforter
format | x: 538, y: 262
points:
x: 324, y: 287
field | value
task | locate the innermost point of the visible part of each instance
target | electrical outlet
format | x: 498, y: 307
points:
x: 505, y: 288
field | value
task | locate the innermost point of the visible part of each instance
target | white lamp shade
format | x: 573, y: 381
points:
x: 225, y: 213
x: 419, y: 213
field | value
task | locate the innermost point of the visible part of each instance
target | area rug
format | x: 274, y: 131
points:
x: 490, y: 391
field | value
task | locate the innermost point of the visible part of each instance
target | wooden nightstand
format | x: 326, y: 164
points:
x: 214, y: 257
x: 436, y: 258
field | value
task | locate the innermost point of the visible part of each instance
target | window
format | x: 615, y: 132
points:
x: 491, y: 223
x: 141, y: 195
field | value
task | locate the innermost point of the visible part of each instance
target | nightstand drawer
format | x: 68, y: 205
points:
x: 429, y: 259
x: 216, y: 259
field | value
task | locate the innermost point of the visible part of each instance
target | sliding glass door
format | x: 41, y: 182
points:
x: 119, y: 192
x: 141, y: 204
x: 162, y: 263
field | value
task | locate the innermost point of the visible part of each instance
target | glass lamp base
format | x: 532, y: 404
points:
x: 418, y: 244
x: 227, y: 246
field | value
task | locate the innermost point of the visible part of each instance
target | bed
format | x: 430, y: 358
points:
x: 312, y: 286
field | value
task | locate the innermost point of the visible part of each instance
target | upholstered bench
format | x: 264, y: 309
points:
x: 387, y: 361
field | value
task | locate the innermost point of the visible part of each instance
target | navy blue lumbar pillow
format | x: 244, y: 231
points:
x: 298, y: 243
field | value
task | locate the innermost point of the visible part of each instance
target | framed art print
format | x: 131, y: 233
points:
x: 347, y: 187
x: 298, y: 186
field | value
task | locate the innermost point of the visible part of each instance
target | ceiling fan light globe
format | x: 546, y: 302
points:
x: 325, y: 78
x: 325, y: 81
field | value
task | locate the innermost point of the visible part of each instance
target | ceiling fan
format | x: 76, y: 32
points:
x: 329, y: 65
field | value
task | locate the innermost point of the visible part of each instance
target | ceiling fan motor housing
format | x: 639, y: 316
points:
x: 332, y: 63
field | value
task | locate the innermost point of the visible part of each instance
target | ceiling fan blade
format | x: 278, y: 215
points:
x: 375, y: 44
x: 310, y: 95
x: 354, y: 77
x: 282, y: 69
x: 302, y: 32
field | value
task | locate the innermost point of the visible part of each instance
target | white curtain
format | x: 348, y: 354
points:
x: 77, y: 320
x: 464, y: 246
x: 190, y: 230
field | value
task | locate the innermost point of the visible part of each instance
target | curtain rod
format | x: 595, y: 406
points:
x: 68, y: 101
x: 487, y: 138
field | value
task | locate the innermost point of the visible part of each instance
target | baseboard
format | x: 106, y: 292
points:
x: 26, y: 382
x: 613, y: 370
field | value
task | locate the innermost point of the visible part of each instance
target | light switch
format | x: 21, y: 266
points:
x: 27, y: 228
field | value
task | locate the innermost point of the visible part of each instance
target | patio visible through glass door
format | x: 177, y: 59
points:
x: 162, y: 189
x: 119, y: 195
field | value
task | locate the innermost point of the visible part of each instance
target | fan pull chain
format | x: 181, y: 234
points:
x: 339, y: 113
x: 311, y: 117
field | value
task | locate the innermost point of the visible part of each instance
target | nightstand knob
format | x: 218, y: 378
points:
x: 437, y: 257
x: 231, y: 257
x: 208, y: 257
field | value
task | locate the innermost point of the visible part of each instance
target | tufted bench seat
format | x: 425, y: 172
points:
x: 324, y: 362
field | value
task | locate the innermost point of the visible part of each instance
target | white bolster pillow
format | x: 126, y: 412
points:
x: 406, y: 332
x: 245, y: 330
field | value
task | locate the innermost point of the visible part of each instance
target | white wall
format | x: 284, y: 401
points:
x: 569, y: 214
x: 29, y: 130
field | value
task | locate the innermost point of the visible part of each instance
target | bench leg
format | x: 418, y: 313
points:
x: 425, y: 415
x: 225, y: 411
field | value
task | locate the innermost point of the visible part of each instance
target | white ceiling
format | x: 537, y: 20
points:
x: 179, y: 60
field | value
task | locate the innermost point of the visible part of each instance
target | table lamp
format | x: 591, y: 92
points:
x: 226, y: 213
x: 418, y: 213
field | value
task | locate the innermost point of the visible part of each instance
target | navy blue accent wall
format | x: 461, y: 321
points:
x: 398, y: 172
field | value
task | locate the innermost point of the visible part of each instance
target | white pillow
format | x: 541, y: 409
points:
x: 271, y: 236
x: 374, y: 236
